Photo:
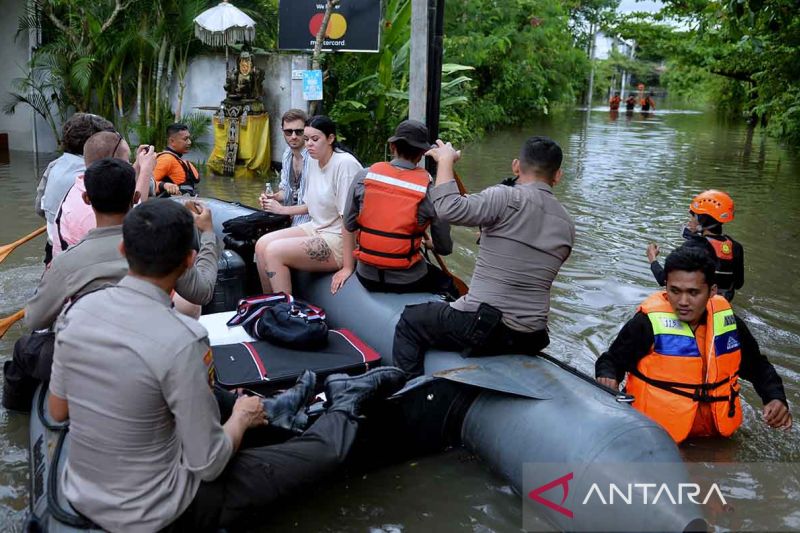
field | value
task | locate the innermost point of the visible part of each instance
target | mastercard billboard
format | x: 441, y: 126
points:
x: 354, y: 25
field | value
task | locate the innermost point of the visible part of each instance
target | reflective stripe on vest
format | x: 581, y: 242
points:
x: 394, y: 182
x: 670, y: 382
x: 672, y: 336
x: 390, y: 235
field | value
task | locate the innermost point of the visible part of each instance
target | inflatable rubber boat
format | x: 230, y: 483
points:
x: 525, y: 417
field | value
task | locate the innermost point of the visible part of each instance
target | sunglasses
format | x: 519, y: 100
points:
x: 288, y: 132
x: 116, y: 146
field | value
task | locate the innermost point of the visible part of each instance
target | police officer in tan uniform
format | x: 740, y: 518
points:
x: 148, y: 449
x: 91, y: 263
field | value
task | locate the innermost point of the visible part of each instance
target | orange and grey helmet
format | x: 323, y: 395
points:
x: 717, y: 204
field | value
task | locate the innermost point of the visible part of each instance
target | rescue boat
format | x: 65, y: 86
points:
x: 525, y: 417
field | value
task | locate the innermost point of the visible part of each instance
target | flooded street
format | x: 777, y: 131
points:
x: 627, y: 181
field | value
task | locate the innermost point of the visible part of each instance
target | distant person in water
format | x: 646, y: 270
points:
x: 648, y: 104
x: 709, y: 210
x: 630, y: 103
x: 683, y: 353
x: 613, y: 104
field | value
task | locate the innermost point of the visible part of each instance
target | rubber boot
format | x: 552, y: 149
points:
x: 349, y: 393
x: 287, y: 409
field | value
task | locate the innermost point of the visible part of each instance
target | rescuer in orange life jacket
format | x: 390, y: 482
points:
x: 684, y: 352
x: 388, y: 211
x: 709, y: 210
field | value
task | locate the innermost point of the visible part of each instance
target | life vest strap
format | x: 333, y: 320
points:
x: 191, y: 178
x: 390, y: 235
x: 387, y: 254
x: 699, y: 393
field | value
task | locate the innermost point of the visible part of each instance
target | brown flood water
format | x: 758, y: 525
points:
x: 627, y: 181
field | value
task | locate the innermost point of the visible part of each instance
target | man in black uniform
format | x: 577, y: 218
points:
x: 710, y: 210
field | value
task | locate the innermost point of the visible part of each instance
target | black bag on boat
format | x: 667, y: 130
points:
x: 251, y: 227
x: 282, y: 320
x: 265, y: 367
x: 293, y: 324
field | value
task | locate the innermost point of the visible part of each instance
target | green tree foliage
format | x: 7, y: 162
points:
x: 526, y: 57
x: 116, y: 58
x: 368, y: 93
x: 743, y: 54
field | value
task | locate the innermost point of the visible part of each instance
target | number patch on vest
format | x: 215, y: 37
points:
x: 730, y: 320
x: 672, y: 323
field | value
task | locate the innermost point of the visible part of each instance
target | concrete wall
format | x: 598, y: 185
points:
x: 13, y: 58
x: 206, y: 77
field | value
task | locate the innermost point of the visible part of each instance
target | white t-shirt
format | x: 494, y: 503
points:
x: 327, y: 189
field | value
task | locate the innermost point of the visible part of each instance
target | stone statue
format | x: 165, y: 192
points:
x: 244, y: 82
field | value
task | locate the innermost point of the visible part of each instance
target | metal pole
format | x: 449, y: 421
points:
x: 436, y: 11
x: 418, y: 66
x: 591, y: 72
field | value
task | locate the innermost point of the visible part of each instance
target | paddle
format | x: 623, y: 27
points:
x: 459, y: 284
x: 9, y: 321
x: 461, y: 189
x: 8, y: 248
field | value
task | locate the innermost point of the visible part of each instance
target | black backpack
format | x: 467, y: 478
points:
x: 251, y: 227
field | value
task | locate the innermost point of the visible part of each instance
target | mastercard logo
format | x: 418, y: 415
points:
x: 337, y: 25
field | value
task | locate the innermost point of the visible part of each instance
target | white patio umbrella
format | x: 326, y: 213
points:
x: 224, y: 24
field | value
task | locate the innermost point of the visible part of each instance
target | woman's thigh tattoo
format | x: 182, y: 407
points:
x: 317, y: 249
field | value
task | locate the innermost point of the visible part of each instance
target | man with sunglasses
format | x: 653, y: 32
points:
x: 292, y: 189
x: 75, y: 217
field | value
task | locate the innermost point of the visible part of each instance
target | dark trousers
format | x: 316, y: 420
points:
x: 438, y: 325
x: 434, y: 281
x: 257, y: 477
x: 421, y: 285
x: 30, y: 365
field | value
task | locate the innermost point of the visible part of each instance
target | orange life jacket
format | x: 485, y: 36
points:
x: 669, y: 382
x: 190, y: 176
x: 390, y: 235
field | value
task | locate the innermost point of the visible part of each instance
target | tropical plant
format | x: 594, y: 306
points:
x: 525, y: 56
x: 36, y: 90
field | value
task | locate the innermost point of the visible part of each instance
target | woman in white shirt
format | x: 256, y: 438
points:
x: 314, y: 246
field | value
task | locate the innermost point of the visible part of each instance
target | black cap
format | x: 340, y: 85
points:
x: 413, y: 132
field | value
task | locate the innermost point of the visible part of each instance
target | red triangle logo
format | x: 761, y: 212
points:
x: 563, y: 482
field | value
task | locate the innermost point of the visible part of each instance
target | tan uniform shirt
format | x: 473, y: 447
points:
x: 526, y: 235
x: 95, y: 261
x: 144, y: 425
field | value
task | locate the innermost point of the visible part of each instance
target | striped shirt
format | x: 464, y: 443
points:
x: 287, y: 185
